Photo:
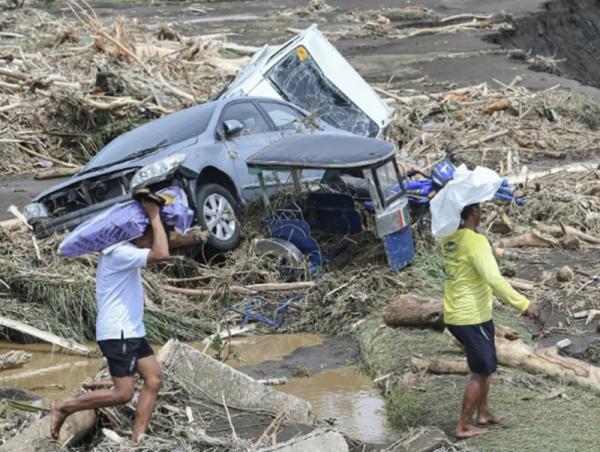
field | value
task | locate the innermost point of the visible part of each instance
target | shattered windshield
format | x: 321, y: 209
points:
x: 171, y: 129
x: 301, y: 82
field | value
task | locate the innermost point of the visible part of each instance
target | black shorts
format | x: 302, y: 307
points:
x: 479, y: 344
x: 123, y: 354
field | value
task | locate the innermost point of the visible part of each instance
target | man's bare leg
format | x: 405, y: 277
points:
x: 470, y: 402
x: 484, y: 414
x: 149, y: 370
x: 119, y: 395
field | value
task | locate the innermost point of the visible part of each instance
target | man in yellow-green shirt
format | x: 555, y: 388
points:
x: 472, y: 277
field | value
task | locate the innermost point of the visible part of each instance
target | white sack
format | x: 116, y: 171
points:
x: 467, y: 187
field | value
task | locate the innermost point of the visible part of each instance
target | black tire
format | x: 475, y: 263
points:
x: 218, y: 191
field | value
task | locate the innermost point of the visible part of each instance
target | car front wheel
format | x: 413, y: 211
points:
x: 217, y: 213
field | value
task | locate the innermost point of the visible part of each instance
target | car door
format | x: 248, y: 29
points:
x: 289, y: 121
x: 257, y: 133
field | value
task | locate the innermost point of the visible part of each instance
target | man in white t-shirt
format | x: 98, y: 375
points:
x: 120, y: 331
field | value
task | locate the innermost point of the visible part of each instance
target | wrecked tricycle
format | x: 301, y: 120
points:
x: 336, y: 181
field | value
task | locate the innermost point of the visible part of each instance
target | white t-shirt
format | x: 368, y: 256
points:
x: 119, y: 292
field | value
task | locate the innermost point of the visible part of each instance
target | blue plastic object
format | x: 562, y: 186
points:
x: 248, y: 312
x: 442, y: 173
x: 399, y: 248
x: 334, y: 213
x: 298, y: 233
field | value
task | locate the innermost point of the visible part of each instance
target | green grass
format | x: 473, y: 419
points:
x: 533, y: 421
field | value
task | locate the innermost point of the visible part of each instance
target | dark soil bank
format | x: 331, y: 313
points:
x: 567, y: 30
x: 332, y: 354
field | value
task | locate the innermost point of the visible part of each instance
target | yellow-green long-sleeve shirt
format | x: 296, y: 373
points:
x: 472, y: 277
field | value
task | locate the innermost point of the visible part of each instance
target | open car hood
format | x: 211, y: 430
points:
x: 309, y: 72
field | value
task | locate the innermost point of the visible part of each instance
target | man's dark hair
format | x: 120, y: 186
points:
x: 467, y: 210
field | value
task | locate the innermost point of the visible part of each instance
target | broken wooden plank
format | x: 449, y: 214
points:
x: 441, y: 366
x: 65, y: 344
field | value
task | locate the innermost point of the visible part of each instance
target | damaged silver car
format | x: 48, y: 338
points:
x: 203, y: 149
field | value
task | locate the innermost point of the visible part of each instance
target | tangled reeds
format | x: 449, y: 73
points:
x: 58, y: 295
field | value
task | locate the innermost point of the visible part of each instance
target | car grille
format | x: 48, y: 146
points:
x: 88, y: 192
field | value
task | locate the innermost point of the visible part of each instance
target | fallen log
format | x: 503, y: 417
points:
x: 567, y: 230
x: 441, y: 366
x: 193, y: 237
x: 36, y: 436
x: 531, y: 239
x: 209, y: 379
x: 412, y: 310
x: 513, y: 352
x: 547, y: 361
x: 14, y: 359
x: 64, y: 344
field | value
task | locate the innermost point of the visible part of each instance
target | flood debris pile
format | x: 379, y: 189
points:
x: 503, y: 128
x: 70, y: 85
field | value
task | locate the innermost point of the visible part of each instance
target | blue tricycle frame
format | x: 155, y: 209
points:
x: 357, y: 172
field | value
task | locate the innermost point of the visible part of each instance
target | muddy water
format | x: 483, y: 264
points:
x: 48, y: 371
x: 350, y: 399
x: 343, y: 395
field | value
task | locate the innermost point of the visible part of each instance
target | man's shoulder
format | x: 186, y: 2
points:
x: 125, y: 255
x: 474, y: 240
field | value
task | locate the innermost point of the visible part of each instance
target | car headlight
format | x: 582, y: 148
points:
x: 156, y: 170
x: 34, y: 211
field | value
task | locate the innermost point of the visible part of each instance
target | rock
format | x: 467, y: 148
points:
x: 321, y: 440
x: 565, y: 274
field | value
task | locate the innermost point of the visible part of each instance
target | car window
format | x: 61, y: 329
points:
x: 248, y: 115
x: 283, y: 117
x: 300, y: 81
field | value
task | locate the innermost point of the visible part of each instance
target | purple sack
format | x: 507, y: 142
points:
x: 125, y: 221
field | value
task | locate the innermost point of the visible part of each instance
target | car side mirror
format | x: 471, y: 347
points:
x: 232, y: 128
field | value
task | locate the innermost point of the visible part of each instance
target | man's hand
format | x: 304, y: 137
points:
x: 533, y: 311
x: 151, y: 209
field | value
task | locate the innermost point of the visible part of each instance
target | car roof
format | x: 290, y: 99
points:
x: 322, y: 151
